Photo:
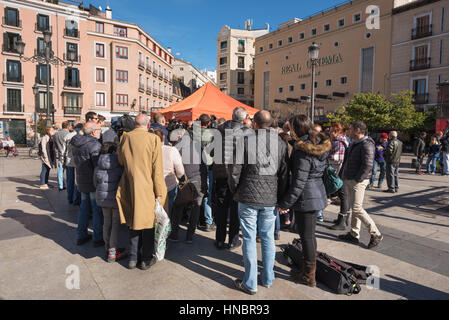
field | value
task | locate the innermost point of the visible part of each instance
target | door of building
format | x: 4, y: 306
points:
x: 16, y: 129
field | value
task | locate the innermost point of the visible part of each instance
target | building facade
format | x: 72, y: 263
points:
x: 235, y: 62
x: 420, y: 50
x: 190, y: 76
x: 354, y: 57
x: 118, y: 68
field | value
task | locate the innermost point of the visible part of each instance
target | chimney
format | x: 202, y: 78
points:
x: 108, y: 13
x: 169, y: 49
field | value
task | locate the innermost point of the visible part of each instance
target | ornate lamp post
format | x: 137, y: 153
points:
x: 35, y: 92
x: 314, y: 51
x: 47, y: 57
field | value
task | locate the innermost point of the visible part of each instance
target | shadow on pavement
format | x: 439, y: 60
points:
x: 411, y: 290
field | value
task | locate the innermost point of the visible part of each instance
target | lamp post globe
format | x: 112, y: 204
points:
x: 47, y: 36
x: 314, y: 51
x: 35, y: 90
x: 20, y: 45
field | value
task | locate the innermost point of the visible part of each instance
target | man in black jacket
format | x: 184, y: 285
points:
x: 257, y: 184
x: 392, y: 155
x: 445, y: 154
x: 420, y: 151
x: 222, y: 197
x: 86, y: 151
x: 355, y: 172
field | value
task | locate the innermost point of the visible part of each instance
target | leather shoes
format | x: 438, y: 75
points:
x: 145, y: 265
x: 82, y: 241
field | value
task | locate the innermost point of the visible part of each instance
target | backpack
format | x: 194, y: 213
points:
x: 340, y: 276
x: 125, y: 124
x: 332, y: 182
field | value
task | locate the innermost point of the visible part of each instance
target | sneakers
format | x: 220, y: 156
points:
x: 132, y: 264
x: 219, y: 245
x: 145, y: 265
x: 375, y: 240
x: 349, y: 238
x: 320, y: 218
x: 239, y: 285
x: 235, y: 245
x: 44, y: 187
x: 208, y: 227
x: 370, y: 187
x: 82, y: 241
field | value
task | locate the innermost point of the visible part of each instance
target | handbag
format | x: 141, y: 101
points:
x: 186, y: 192
x: 331, y: 181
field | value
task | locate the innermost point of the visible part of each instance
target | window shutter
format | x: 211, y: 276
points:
x: 66, y: 81
x: 36, y: 102
x: 5, y: 42
x: 38, y: 76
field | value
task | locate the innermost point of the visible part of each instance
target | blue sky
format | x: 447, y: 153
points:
x: 190, y: 27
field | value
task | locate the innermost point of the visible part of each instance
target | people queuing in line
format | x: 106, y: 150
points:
x: 121, y: 175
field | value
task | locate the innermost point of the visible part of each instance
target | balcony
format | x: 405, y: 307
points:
x: 148, y: 90
x: 222, y: 81
x: 223, y: 66
x: 72, y: 84
x: 76, y: 60
x: 141, y: 87
x: 160, y: 75
x: 170, y: 80
x: 72, y: 111
x: 44, y: 81
x: 160, y: 94
x: 170, y: 99
x: 419, y: 64
x: 421, y: 32
x: 9, y: 108
x: 224, y: 50
x: 154, y: 72
x: 148, y: 69
x: 9, y: 78
x: 421, y: 98
x: 155, y: 92
x: 165, y: 78
x: 38, y: 28
x: 15, y: 24
x: 141, y: 65
x: 165, y: 96
x: 72, y: 33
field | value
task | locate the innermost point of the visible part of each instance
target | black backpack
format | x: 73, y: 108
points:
x: 340, y: 276
x: 125, y: 124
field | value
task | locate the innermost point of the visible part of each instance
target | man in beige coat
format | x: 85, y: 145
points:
x: 142, y: 183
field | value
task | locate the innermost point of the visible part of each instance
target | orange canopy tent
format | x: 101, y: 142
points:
x: 209, y: 100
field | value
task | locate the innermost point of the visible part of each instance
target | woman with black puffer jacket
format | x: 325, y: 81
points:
x: 306, y: 194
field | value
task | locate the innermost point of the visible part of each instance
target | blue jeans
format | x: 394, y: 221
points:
x: 207, y: 200
x: 60, y: 175
x: 277, y: 226
x: 253, y: 218
x: 445, y: 159
x: 72, y: 189
x: 88, y: 201
x: 44, y: 174
x: 432, y: 161
x: 171, y: 200
x: 376, y: 166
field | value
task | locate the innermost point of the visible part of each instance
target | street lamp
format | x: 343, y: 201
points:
x: 47, y: 58
x: 314, y: 51
x: 35, y: 92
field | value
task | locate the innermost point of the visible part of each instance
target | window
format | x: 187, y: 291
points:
x: 260, y: 49
x: 313, y: 32
x: 301, y: 36
x: 291, y: 88
x: 43, y: 22
x: 100, y: 99
x: 270, y: 46
x: 72, y: 47
x: 12, y: 17
x: 357, y: 18
x: 336, y: 44
x: 223, y: 61
x: 42, y: 102
x: 223, y: 45
x: 303, y: 86
x: 9, y: 42
x: 121, y: 75
x: 99, y: 27
x: 241, y: 46
x: 71, y: 29
x: 71, y: 100
x: 240, y: 77
x: 329, y: 83
x: 316, y: 84
x: 222, y: 76
x: 72, y: 78
x: 343, y: 80
x: 14, y: 100
x: 121, y: 52
x: 41, y: 74
x: 290, y: 40
x: 41, y: 46
x: 100, y: 75
x: 341, y: 23
x: 120, y: 31
x: 13, y: 71
x: 326, y: 27
x: 122, y: 100
x: 240, y: 90
x: 279, y: 43
x: 99, y: 50
x: 280, y: 90
x: 241, y: 62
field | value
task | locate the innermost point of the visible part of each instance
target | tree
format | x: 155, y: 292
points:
x: 396, y: 113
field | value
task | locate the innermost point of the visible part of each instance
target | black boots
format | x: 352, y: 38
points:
x: 341, y: 223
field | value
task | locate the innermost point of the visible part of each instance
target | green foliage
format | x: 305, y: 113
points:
x: 41, y: 126
x: 396, y: 113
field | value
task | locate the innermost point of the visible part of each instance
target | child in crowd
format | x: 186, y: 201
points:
x: 433, y: 155
x: 106, y: 179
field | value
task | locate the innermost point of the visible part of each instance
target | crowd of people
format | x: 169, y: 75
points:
x: 253, y: 175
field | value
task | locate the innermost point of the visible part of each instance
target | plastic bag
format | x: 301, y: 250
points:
x: 162, y: 230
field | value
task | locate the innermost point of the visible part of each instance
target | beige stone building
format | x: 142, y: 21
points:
x: 189, y: 75
x: 235, y: 61
x: 420, y: 49
x: 354, y: 56
x: 118, y: 67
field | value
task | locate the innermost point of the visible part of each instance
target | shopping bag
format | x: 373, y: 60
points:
x: 162, y: 230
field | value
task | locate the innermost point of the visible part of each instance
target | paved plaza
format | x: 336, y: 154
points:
x: 38, y: 235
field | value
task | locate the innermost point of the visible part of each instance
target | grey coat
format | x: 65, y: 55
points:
x: 107, y: 177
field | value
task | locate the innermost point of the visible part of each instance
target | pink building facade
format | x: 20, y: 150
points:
x: 118, y: 68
